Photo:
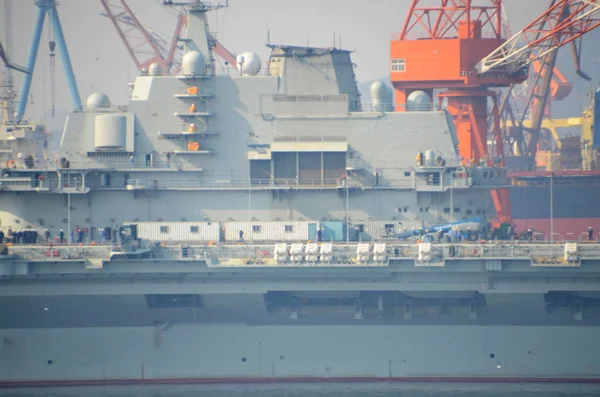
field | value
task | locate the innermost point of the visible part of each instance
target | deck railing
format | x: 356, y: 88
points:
x: 342, y: 253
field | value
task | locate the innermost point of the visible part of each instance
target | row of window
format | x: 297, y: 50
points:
x: 446, y: 210
x: 398, y: 65
x: 255, y: 229
x: 491, y: 174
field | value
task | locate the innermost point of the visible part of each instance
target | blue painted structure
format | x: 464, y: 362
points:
x: 333, y: 231
x: 473, y: 223
x: 47, y: 7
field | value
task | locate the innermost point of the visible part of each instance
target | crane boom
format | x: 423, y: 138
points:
x: 146, y: 47
x: 563, y: 22
x: 137, y: 40
x: 9, y: 64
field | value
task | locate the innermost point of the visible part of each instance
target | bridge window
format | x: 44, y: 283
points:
x: 407, y: 174
x: 399, y: 65
x: 194, y: 229
x: 256, y: 228
x: 289, y: 228
x: 164, y: 229
x: 447, y: 209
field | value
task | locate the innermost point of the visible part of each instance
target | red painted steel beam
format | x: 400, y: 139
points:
x: 442, y: 21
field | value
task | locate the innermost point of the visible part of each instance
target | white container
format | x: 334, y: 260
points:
x: 178, y: 231
x: 259, y: 231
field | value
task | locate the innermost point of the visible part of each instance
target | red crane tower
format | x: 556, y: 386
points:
x: 452, y: 55
x: 146, y: 47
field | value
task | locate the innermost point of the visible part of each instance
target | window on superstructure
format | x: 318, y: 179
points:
x: 447, y: 209
x: 399, y: 65
x: 469, y: 212
x: 289, y: 228
x: 456, y: 209
x: 407, y: 174
x: 256, y: 228
x: 194, y: 229
x: 164, y: 229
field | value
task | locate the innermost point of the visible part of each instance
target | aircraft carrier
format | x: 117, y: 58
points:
x: 246, y: 227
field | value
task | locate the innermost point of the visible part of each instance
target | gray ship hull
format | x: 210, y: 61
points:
x: 238, y: 352
x: 140, y: 321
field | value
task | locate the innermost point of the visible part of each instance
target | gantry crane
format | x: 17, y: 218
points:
x: 515, y: 112
x: 146, y: 47
x: 523, y: 128
x: 48, y: 7
x: 463, y: 51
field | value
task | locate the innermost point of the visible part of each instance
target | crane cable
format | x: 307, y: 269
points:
x: 51, y: 47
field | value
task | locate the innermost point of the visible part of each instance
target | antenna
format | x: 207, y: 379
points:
x: 334, y: 40
x: 340, y: 41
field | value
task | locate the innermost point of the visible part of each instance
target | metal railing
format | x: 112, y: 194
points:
x: 391, y: 107
x: 51, y: 182
x: 232, y: 184
x: 124, y: 164
x: 267, y: 183
x: 341, y: 253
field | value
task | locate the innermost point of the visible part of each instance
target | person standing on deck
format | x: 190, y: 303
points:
x: 590, y: 233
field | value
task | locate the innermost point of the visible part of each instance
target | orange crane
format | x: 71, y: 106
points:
x: 146, y: 47
x: 463, y: 52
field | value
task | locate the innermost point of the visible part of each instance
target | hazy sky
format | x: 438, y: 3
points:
x: 101, y: 62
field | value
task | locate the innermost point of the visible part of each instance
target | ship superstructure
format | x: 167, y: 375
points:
x: 245, y: 226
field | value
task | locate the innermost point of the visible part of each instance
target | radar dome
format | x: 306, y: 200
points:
x: 418, y: 101
x: 155, y: 70
x: 193, y: 63
x: 97, y: 100
x: 248, y: 63
x: 378, y: 89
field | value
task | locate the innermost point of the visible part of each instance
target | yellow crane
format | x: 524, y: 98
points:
x: 571, y: 152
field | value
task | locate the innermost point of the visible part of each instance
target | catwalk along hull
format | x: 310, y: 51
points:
x: 567, y: 206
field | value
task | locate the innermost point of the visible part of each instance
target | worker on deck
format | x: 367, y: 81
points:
x: 61, y: 236
x: 590, y: 234
x: 529, y: 235
x: 241, y: 235
x: 320, y: 235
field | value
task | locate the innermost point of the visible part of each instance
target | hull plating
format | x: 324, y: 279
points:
x: 201, y: 353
